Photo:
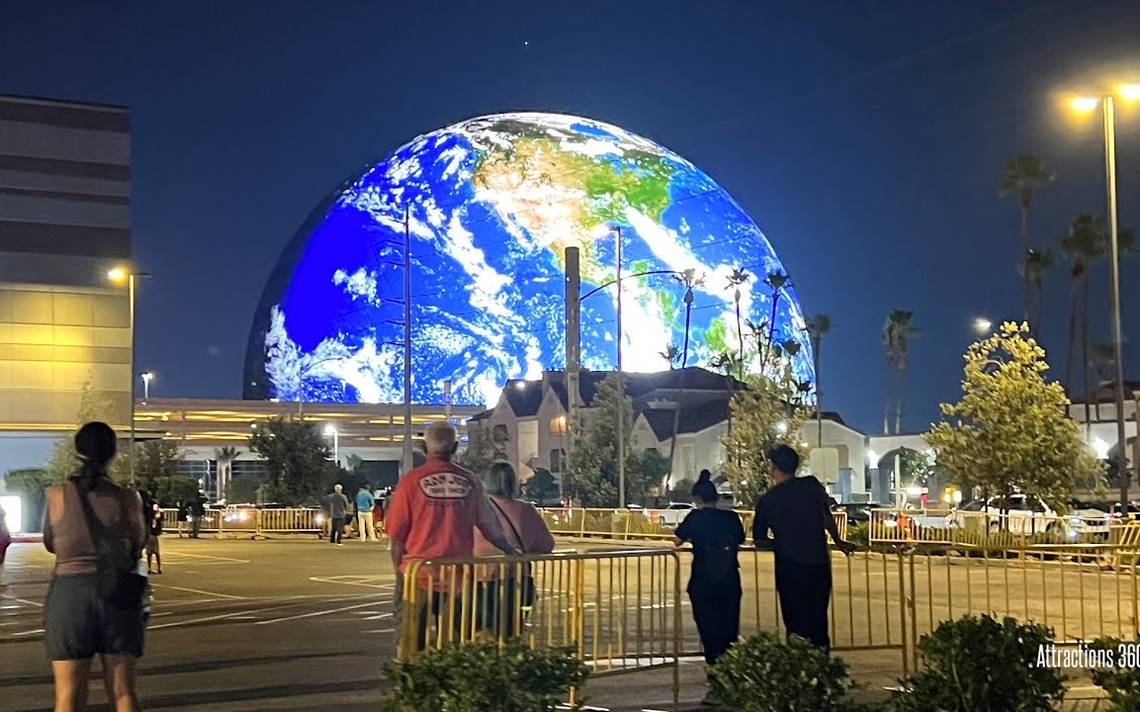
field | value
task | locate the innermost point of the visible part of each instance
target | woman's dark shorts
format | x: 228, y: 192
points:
x: 78, y: 624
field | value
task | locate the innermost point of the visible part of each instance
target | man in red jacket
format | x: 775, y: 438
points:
x: 433, y: 514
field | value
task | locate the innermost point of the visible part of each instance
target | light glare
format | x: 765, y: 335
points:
x: 1129, y: 92
x: 1084, y: 104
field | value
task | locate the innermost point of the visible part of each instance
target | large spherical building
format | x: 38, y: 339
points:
x: 491, y: 204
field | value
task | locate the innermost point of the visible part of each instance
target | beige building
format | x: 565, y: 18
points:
x: 65, y: 186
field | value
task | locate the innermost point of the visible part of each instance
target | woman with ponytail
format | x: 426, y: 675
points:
x: 714, y: 584
x: 96, y: 530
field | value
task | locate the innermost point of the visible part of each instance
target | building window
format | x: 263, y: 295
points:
x: 558, y: 424
x: 499, y: 434
x: 556, y: 458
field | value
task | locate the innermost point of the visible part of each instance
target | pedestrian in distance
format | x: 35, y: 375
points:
x: 433, y: 514
x: 364, y: 503
x: 197, y: 513
x: 95, y: 601
x: 338, y: 509
x: 5, y: 542
x: 153, y: 512
x: 378, y: 512
x: 182, y: 516
x: 797, y: 510
x: 714, y: 584
x: 509, y: 587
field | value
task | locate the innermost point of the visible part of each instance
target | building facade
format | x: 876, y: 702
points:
x: 65, y: 221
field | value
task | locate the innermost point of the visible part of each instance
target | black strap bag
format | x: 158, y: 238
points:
x: 118, y: 582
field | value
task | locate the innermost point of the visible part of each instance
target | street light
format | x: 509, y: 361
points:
x: 330, y: 430
x: 1087, y: 104
x: 983, y: 325
x: 147, y: 377
x: 120, y: 276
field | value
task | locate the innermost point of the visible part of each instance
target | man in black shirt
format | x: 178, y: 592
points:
x: 797, y: 511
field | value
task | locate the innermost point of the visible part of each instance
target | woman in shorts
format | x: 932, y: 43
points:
x: 79, y: 622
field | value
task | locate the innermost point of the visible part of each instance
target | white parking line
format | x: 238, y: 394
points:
x: 316, y: 613
x: 22, y: 600
x: 208, y: 556
x: 195, y: 590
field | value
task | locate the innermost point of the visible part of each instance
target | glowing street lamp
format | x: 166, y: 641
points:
x: 1087, y: 104
x: 983, y: 325
x: 120, y: 276
x: 147, y: 377
x: 330, y: 430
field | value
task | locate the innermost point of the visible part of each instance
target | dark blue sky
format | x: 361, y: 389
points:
x: 865, y: 138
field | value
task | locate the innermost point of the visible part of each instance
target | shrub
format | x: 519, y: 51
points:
x: 766, y: 674
x: 480, y: 676
x: 859, y: 534
x: 979, y: 665
x: 1122, y: 680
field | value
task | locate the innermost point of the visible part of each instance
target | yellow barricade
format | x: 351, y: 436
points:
x: 619, y: 610
x: 635, y: 524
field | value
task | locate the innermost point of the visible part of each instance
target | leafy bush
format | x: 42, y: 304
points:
x: 480, y: 676
x: 859, y: 534
x: 1122, y: 681
x: 979, y: 665
x: 767, y: 674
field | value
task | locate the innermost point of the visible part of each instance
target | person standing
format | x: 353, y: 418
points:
x: 94, y: 606
x: 153, y: 511
x: 378, y: 512
x: 797, y: 511
x: 433, y: 514
x: 714, y: 584
x: 5, y: 542
x: 364, y: 504
x: 522, y: 524
x: 197, y: 512
x: 338, y: 508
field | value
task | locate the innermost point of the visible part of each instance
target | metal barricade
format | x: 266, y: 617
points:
x: 635, y: 524
x: 620, y: 611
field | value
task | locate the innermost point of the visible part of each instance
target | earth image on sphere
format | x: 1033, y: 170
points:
x: 491, y: 203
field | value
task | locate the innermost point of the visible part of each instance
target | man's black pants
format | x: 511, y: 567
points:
x: 336, y: 529
x: 716, y: 609
x: 805, y: 591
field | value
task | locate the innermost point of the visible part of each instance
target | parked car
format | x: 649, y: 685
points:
x: 857, y: 512
x: 675, y: 513
x: 1026, y: 514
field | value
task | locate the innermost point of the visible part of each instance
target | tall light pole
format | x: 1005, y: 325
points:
x: 147, y: 377
x: 620, y: 382
x: 127, y: 275
x: 406, y: 452
x: 331, y: 431
x: 1107, y: 104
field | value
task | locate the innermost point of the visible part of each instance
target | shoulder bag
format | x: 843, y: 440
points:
x: 526, y: 586
x: 118, y: 584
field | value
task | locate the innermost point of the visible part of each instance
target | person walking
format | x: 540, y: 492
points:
x: 378, y: 512
x: 798, y: 513
x: 364, y: 503
x: 153, y: 512
x: 714, y: 583
x: 512, y: 585
x: 94, y: 606
x: 182, y: 517
x: 197, y: 512
x: 433, y: 514
x: 5, y: 542
x: 338, y: 508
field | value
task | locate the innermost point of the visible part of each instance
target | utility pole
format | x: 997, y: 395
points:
x: 1117, y: 338
x: 620, y: 384
x: 407, y: 457
x: 572, y: 298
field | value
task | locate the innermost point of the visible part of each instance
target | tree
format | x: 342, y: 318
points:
x: 591, y: 474
x: 225, y: 457
x: 32, y: 482
x: 767, y: 412
x: 297, y: 459
x: 480, y: 450
x: 93, y: 405
x: 1009, y: 431
x: 541, y: 486
x: 897, y: 333
x: 671, y: 354
x: 817, y: 326
x: 168, y: 490
x: 1021, y: 176
x: 1036, y: 265
x: 688, y: 279
x: 155, y: 459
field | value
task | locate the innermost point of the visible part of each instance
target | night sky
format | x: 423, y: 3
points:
x: 865, y: 138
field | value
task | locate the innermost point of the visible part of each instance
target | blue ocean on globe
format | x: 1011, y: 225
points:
x: 491, y: 204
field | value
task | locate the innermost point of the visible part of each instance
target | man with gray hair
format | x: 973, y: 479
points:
x: 338, y: 510
x: 436, y: 508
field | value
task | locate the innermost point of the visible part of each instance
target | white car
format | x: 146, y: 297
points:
x: 1026, y: 515
x: 675, y: 513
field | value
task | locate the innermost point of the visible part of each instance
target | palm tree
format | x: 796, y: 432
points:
x: 817, y: 326
x: 1084, y: 245
x: 689, y: 280
x: 671, y: 354
x: 1036, y: 265
x: 738, y: 277
x: 225, y: 457
x: 1021, y: 176
x: 897, y: 333
x: 776, y: 281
